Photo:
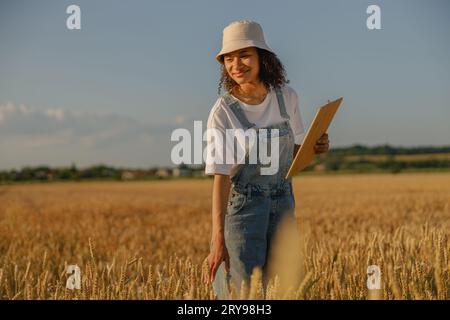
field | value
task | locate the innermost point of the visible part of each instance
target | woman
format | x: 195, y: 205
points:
x: 247, y: 206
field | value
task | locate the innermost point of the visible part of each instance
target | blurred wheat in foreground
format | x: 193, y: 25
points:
x: 147, y: 240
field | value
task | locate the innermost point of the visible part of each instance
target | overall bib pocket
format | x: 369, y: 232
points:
x: 236, y: 202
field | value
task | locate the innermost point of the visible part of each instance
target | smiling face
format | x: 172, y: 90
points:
x: 242, y: 65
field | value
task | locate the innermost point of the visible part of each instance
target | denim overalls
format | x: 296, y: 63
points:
x: 256, y: 205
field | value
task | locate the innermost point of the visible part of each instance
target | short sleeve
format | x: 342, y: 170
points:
x: 216, y: 129
x: 296, y: 120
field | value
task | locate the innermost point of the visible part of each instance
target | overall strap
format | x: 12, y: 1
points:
x: 234, y: 105
x: 281, y: 104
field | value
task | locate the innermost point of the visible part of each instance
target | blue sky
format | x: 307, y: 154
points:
x: 113, y: 91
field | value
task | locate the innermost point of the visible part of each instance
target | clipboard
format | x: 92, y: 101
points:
x: 320, y: 124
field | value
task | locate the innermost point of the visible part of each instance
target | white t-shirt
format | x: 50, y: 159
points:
x: 262, y: 115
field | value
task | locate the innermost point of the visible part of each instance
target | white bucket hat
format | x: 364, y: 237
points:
x: 242, y: 34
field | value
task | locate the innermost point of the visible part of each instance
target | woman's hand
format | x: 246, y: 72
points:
x: 322, y: 145
x: 218, y: 254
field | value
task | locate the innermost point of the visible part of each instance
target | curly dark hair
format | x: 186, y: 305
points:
x: 271, y: 72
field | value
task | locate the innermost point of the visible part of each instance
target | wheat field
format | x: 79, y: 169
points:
x: 147, y: 240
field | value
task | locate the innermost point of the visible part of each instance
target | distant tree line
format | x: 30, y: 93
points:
x: 333, y: 163
x: 44, y: 173
x: 386, y: 149
x: 97, y: 172
x: 337, y: 159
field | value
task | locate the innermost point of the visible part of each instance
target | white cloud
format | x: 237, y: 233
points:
x: 179, y: 119
x: 57, y: 114
x: 46, y: 140
x: 6, y: 110
x: 89, y: 129
x: 28, y: 135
